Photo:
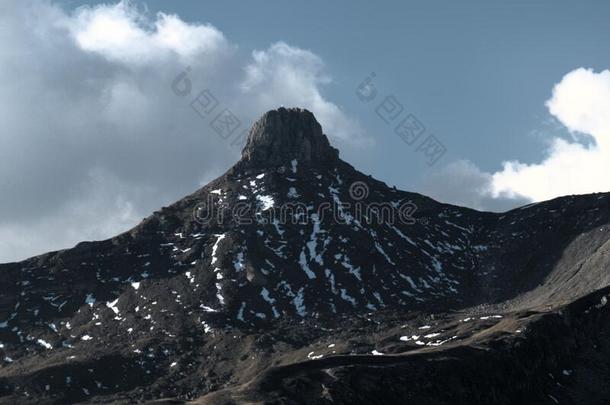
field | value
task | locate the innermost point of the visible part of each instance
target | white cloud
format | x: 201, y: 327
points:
x: 93, y: 137
x: 290, y: 76
x: 581, y: 102
x: 122, y: 33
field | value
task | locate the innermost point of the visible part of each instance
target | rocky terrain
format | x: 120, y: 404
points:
x: 294, y: 278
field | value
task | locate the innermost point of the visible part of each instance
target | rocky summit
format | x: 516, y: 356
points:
x: 286, y: 134
x: 295, y: 279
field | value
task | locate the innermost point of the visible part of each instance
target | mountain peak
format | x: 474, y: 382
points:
x: 285, y: 134
x: 320, y: 259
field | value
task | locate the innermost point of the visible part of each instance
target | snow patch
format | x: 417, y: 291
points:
x: 266, y: 201
x: 266, y: 296
x: 240, y: 313
x: 305, y: 266
x: 113, y: 305
x: 44, y: 344
x: 292, y: 193
x: 90, y: 300
x: 299, y: 303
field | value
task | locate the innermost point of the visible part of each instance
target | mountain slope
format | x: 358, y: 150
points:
x: 291, y: 249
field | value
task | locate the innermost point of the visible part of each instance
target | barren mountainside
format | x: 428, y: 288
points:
x: 294, y: 278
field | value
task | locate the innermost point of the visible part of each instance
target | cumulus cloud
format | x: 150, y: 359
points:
x: 580, y: 165
x: 94, y: 138
x: 293, y: 76
x: 581, y: 102
x: 119, y: 33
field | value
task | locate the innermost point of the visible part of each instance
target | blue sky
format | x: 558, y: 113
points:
x: 517, y: 92
x: 477, y: 73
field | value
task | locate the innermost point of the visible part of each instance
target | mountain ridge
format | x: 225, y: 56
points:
x: 293, y: 250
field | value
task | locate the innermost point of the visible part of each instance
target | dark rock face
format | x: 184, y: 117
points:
x: 282, y: 135
x: 317, y: 284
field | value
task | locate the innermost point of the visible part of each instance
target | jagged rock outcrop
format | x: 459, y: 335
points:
x: 282, y: 135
